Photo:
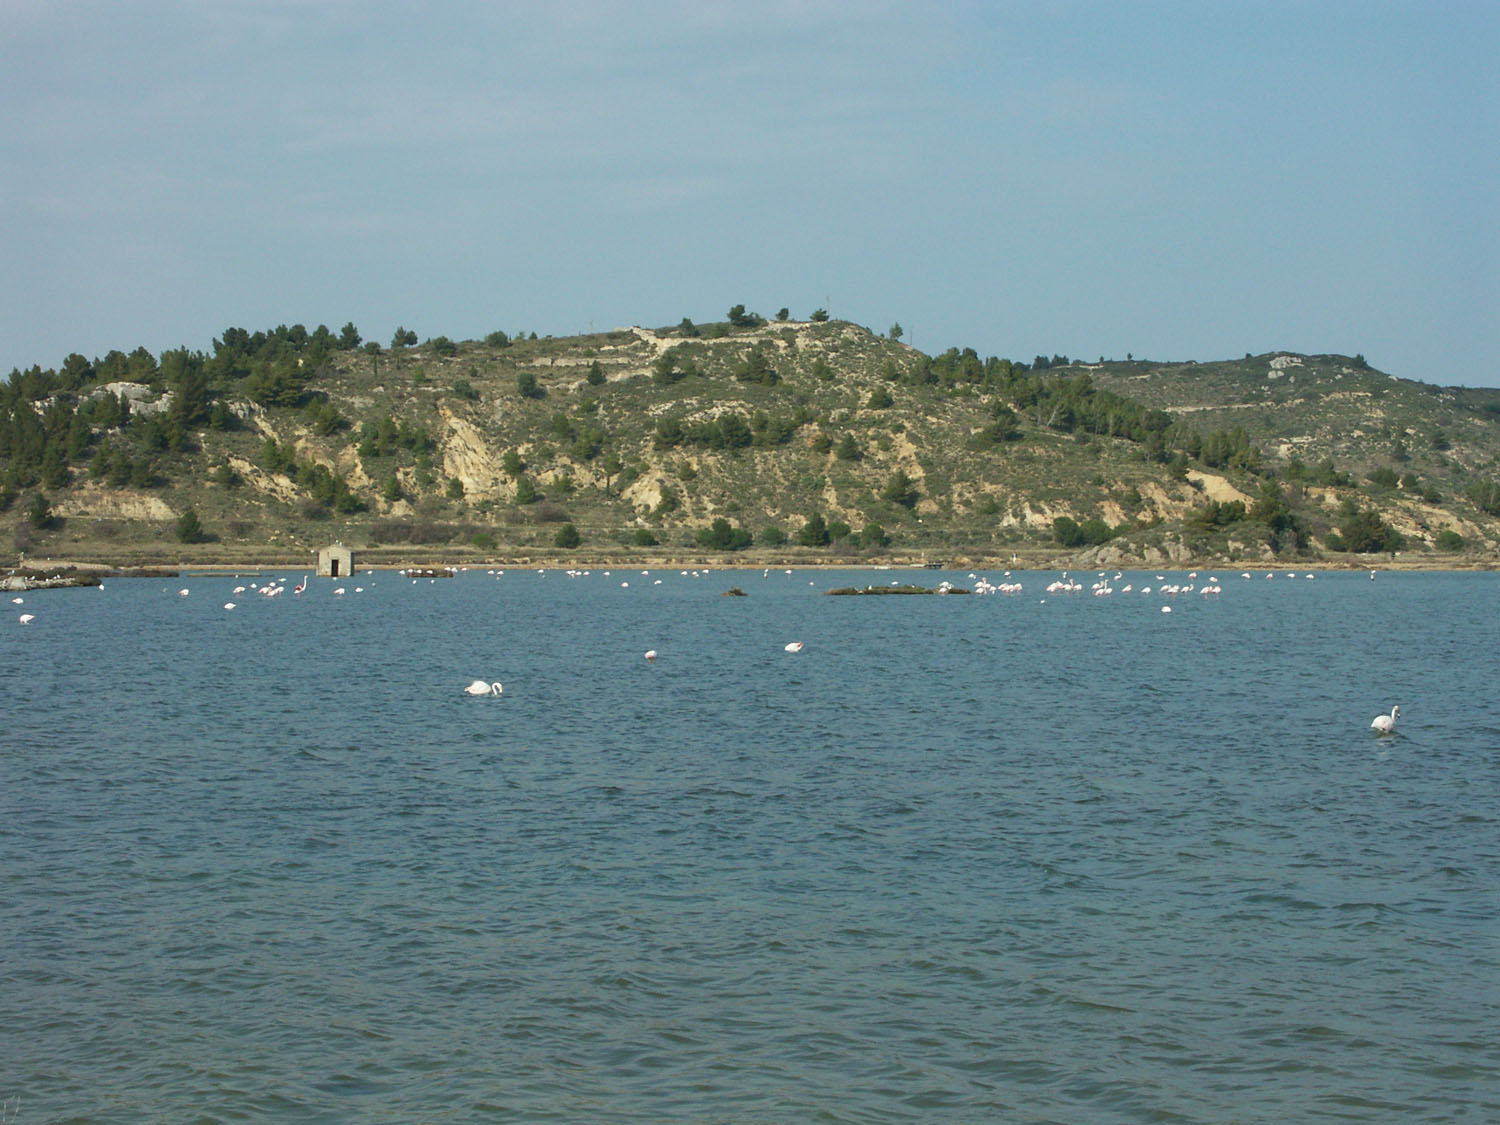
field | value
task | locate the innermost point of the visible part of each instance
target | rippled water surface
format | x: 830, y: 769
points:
x: 1047, y: 857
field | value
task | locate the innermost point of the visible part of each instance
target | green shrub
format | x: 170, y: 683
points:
x: 814, y: 532
x: 900, y: 489
x: 1096, y: 531
x: 722, y: 535
x: 1217, y: 513
x: 39, y: 512
x: 189, y: 530
x: 1364, y: 532
x: 1067, y: 532
x: 756, y: 368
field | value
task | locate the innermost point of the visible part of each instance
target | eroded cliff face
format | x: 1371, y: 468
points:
x: 469, y: 457
x: 94, y: 502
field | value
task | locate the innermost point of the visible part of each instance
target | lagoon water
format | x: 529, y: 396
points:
x: 1034, y: 858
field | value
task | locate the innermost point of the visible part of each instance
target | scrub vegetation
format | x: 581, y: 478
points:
x: 749, y: 438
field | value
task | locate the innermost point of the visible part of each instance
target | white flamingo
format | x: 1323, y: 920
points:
x: 1386, y: 724
x: 300, y: 588
x: 479, y: 687
x: 794, y: 646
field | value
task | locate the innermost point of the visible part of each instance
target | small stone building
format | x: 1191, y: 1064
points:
x: 335, y: 561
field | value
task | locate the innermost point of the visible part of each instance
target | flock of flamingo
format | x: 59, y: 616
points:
x: 1104, y: 586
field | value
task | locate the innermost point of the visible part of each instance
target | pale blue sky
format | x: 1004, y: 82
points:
x: 1174, y: 180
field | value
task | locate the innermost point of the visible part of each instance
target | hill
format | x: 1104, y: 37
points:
x: 801, y: 441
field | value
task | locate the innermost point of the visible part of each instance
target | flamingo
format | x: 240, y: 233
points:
x: 650, y: 654
x: 794, y: 646
x: 479, y: 687
x: 303, y: 586
x: 1386, y: 724
x: 26, y: 619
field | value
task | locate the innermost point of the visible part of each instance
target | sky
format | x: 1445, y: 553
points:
x: 1172, y: 181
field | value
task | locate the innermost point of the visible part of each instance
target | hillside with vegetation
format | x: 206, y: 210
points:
x: 750, y: 440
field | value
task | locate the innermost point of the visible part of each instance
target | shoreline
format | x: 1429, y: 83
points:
x: 49, y: 569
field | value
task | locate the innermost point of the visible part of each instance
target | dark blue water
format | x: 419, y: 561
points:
x: 1033, y: 858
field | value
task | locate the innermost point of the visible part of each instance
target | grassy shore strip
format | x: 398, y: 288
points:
x: 156, y: 563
